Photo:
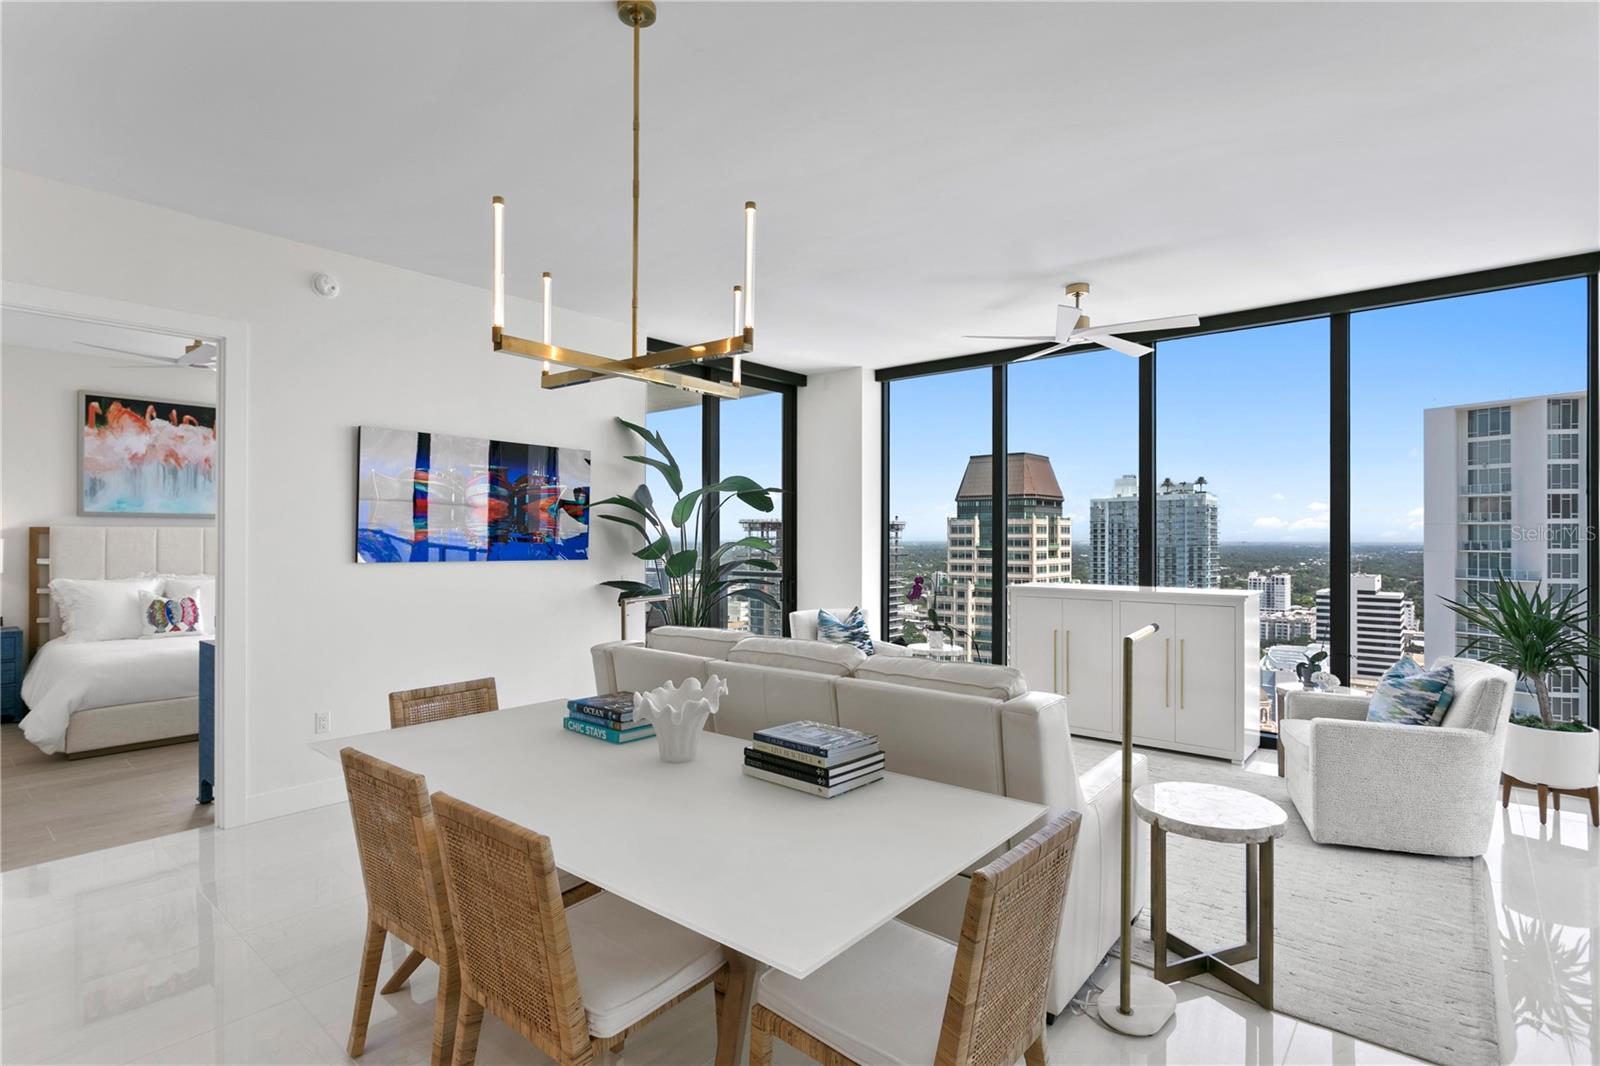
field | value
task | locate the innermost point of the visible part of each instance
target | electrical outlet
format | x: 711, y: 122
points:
x: 320, y: 722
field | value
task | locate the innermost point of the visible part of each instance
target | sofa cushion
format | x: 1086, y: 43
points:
x: 1410, y: 695
x: 1481, y: 700
x: 760, y: 697
x: 704, y: 641
x: 849, y: 628
x: 963, y: 679
x: 640, y: 669
x: 838, y: 660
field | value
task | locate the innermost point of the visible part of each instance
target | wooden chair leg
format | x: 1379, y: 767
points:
x: 371, y: 957
x: 1594, y: 805
x: 760, y: 1039
x: 1505, y: 790
x: 1280, y: 756
x: 446, y: 1006
x: 1544, y: 800
x: 402, y: 973
x: 469, y: 1020
x: 1036, y: 1055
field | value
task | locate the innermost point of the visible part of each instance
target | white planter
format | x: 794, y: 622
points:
x: 1550, y: 757
x: 936, y: 640
x: 679, y: 713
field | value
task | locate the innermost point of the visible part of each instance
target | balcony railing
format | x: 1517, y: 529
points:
x: 1484, y: 546
x: 1484, y: 519
x: 1510, y: 575
x: 1487, y: 488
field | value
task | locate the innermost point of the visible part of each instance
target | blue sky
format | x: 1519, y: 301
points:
x: 752, y: 445
x: 1248, y: 411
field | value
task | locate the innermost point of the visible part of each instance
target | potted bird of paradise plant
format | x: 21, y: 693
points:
x: 1534, y: 635
x: 695, y: 578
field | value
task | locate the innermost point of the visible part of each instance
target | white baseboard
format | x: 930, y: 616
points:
x: 296, y: 798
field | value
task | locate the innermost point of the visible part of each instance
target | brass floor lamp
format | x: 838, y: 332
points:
x: 1143, y: 1004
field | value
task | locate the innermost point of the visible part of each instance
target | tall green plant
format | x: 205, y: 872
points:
x: 694, y: 583
x: 1531, y: 634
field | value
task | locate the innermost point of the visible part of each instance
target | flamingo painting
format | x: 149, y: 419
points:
x: 134, y: 461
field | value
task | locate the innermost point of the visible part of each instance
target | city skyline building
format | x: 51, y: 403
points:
x: 1276, y: 590
x: 1504, y: 493
x: 1383, y: 626
x: 763, y: 619
x: 1038, y: 541
x: 1186, y: 535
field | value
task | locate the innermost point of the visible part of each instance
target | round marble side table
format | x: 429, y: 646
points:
x: 1227, y: 816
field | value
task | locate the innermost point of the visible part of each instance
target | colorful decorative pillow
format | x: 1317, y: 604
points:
x: 1410, y: 695
x: 169, y: 616
x: 851, y: 629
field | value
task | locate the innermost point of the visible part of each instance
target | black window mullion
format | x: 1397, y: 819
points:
x: 1147, y: 468
x: 711, y: 472
x: 1592, y: 454
x: 790, y: 506
x: 885, y: 560
x: 1340, y: 633
x: 999, y: 528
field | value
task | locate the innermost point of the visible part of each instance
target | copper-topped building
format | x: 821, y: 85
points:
x: 1038, y: 541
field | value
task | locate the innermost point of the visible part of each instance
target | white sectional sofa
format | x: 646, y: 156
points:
x: 975, y: 726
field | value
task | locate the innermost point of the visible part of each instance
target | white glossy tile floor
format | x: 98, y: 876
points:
x: 241, y: 947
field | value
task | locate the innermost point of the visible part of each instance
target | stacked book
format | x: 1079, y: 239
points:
x: 609, y: 718
x: 825, y: 760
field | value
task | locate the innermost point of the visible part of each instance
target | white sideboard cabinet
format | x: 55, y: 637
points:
x: 1196, y: 682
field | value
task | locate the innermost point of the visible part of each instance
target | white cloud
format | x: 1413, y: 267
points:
x: 1310, y: 522
x: 1415, y: 512
x: 1279, y: 496
x: 1269, y: 522
x: 1317, y: 508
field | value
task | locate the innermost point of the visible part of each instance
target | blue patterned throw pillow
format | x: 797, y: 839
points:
x: 1410, y: 695
x: 851, y: 629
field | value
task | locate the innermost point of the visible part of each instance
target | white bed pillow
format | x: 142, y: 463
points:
x: 202, y: 587
x: 169, y: 616
x: 101, y: 610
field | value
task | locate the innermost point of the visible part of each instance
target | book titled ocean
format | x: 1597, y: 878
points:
x: 606, y: 723
x: 610, y: 736
x: 617, y: 706
x: 817, y: 738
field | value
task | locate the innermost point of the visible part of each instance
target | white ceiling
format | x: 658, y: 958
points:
x: 924, y: 171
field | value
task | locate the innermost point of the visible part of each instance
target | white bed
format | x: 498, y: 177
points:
x: 94, y: 697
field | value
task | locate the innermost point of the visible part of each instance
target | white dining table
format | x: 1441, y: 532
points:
x: 779, y: 878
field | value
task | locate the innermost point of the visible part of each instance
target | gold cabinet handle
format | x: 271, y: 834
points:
x: 1066, y: 663
x: 1055, y: 660
x: 1181, y: 673
x: 1166, y: 673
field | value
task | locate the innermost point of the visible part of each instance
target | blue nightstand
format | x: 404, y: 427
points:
x: 11, y: 707
x: 208, y: 720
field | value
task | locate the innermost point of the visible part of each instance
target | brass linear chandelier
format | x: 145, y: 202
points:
x: 653, y: 367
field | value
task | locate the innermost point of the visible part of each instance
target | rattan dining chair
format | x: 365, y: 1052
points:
x: 885, y: 1001
x: 438, y: 702
x: 405, y: 890
x: 522, y: 952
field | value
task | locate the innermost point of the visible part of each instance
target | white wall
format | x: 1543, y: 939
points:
x: 39, y: 431
x: 839, y: 556
x: 395, y: 348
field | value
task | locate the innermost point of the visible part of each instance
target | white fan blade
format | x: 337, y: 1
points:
x: 199, y: 353
x: 1066, y: 321
x: 1041, y: 354
x: 129, y: 351
x: 1143, y: 325
x: 1003, y: 337
x: 1126, y: 347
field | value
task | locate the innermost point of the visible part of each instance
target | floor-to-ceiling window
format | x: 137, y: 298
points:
x: 1242, y: 448
x: 1075, y: 518
x: 752, y: 446
x: 676, y: 415
x: 1468, y: 420
x: 940, y: 496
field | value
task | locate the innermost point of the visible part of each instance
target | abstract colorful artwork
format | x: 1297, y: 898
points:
x: 146, y: 457
x: 435, y: 498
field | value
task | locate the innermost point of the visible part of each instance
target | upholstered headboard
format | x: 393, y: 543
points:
x: 97, y: 552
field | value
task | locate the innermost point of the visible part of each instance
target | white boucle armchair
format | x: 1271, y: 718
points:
x: 1424, y: 789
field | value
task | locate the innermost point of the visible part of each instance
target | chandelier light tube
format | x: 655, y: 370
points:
x: 545, y: 280
x: 499, y: 270
x: 738, y: 327
x: 750, y: 264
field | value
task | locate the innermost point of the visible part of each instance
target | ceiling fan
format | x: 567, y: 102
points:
x: 1072, y: 328
x: 197, y: 355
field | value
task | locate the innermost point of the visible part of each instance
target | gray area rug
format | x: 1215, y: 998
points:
x: 1389, y: 948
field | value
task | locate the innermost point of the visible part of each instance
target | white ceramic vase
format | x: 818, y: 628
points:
x: 1548, y: 757
x: 679, y: 713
